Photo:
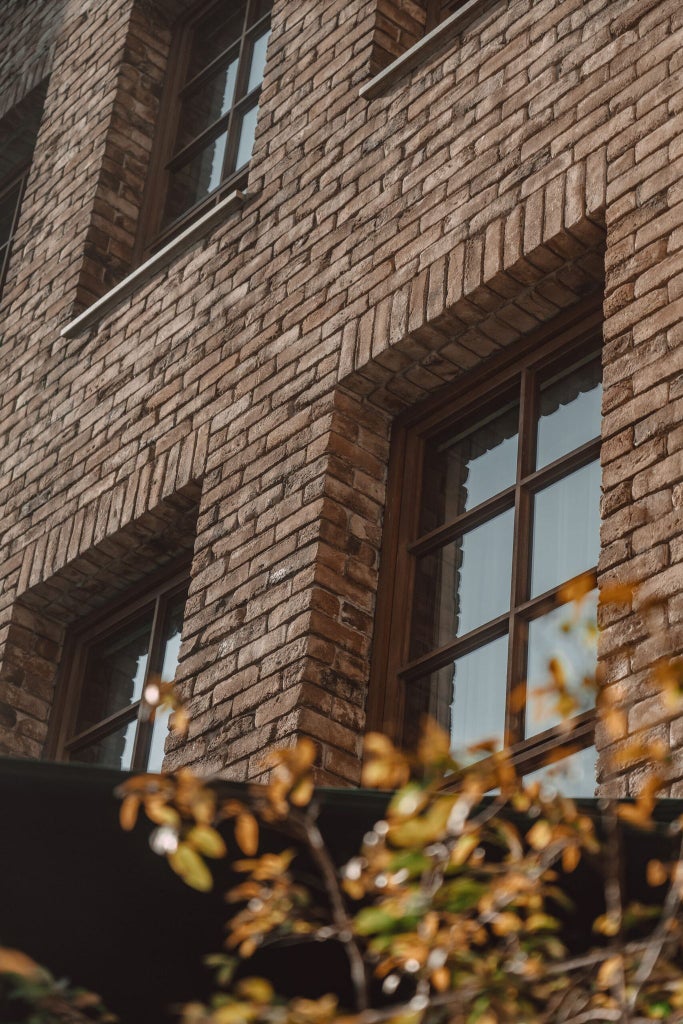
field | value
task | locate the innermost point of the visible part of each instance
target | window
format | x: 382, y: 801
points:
x: 18, y: 132
x: 104, y: 717
x: 211, y: 106
x: 506, y: 515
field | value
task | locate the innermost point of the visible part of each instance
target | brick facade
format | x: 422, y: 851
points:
x: 237, y: 401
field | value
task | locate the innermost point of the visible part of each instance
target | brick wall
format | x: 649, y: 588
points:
x: 387, y: 245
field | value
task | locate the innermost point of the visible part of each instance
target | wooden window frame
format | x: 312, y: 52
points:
x: 156, y: 593
x: 571, y: 336
x: 152, y: 236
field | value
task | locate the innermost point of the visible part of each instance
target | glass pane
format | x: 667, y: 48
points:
x: 8, y: 207
x: 462, y: 585
x: 569, y: 413
x: 215, y: 34
x: 169, y: 662
x: 196, y: 179
x: 573, y: 776
x: 569, y: 635
x: 478, y: 709
x: 247, y: 134
x: 206, y: 104
x: 114, y: 673
x: 112, y: 751
x: 566, y: 536
x: 258, y: 61
x: 466, y: 697
x: 159, y: 734
x: 468, y: 468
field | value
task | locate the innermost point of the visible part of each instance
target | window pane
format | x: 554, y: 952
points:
x: 214, y: 35
x: 463, y: 584
x: 159, y: 734
x: 258, y: 9
x: 206, y: 104
x: 566, y: 535
x: 478, y: 709
x: 258, y: 61
x: 569, y: 413
x: 112, y: 751
x: 577, y: 654
x: 114, y: 674
x: 8, y: 207
x: 169, y: 662
x: 246, y: 137
x: 467, y: 697
x: 468, y: 468
x: 196, y: 179
x: 573, y: 776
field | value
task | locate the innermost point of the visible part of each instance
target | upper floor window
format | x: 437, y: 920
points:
x: 506, y: 516
x: 104, y: 718
x: 211, y: 107
x: 439, y: 10
x: 18, y: 132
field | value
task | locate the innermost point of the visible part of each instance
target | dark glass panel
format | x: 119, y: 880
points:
x: 463, y: 584
x: 215, y: 34
x: 114, y: 674
x: 259, y: 9
x: 466, y: 469
x: 566, y: 534
x: 206, y: 103
x: 195, y: 180
x: 113, y: 751
x: 569, y: 635
x: 8, y: 209
x: 569, y: 412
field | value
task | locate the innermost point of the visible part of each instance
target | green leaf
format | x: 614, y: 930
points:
x: 371, y: 920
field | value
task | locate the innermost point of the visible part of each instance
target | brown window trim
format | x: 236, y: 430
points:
x: 573, y: 331
x: 156, y: 591
x: 151, y: 236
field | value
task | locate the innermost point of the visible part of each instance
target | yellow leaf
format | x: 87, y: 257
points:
x: 463, y: 848
x: 607, y: 924
x: 539, y: 835
x: 259, y: 990
x: 302, y: 793
x: 441, y: 979
x: 179, y: 721
x: 233, y: 1013
x: 161, y: 813
x: 506, y: 923
x: 12, y: 961
x: 656, y: 873
x: 207, y: 841
x: 128, y: 813
x: 246, y: 833
x: 571, y: 856
x: 187, y: 863
x: 609, y: 972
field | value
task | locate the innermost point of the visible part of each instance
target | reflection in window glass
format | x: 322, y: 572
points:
x: 214, y: 35
x: 466, y: 470
x: 573, y: 776
x: 169, y: 663
x: 247, y: 135
x: 575, y: 650
x: 114, y: 674
x: 566, y: 533
x: 159, y: 734
x: 115, y: 750
x: 569, y: 413
x: 258, y: 61
x: 479, y: 688
x: 464, y: 584
x: 196, y: 179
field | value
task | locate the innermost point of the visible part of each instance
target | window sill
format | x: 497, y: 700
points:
x: 424, y: 49
x: 160, y: 259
